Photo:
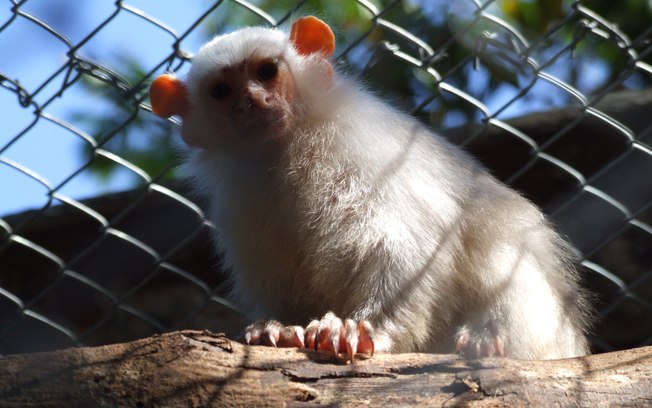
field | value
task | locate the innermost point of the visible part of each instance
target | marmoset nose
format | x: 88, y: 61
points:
x: 252, y: 98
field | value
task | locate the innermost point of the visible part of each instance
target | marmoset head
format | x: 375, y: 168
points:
x: 244, y: 88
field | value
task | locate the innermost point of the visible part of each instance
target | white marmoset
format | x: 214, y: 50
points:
x: 334, y: 209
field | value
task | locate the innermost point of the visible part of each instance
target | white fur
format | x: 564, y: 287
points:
x: 366, y: 212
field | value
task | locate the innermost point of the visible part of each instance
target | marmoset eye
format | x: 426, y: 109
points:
x: 267, y: 71
x: 220, y: 91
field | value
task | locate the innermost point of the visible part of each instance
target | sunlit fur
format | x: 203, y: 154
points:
x: 362, y: 210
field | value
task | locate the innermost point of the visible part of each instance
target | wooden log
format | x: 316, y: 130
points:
x: 201, y: 369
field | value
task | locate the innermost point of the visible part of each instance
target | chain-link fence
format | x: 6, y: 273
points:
x: 553, y: 97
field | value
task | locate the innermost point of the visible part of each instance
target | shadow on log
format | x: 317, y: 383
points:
x: 199, y: 369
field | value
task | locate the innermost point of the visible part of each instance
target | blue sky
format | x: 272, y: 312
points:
x: 30, y: 54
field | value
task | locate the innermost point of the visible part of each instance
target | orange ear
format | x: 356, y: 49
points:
x: 168, y: 96
x: 310, y: 35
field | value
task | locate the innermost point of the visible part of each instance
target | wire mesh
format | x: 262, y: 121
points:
x: 79, y: 271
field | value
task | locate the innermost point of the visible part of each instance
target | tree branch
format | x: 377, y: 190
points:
x: 194, y: 368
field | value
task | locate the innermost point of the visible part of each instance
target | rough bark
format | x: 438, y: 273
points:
x: 194, y: 368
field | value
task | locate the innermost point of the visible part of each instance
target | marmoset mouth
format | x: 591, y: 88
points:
x: 262, y: 125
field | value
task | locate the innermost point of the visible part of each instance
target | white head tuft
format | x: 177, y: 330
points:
x: 233, y: 48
